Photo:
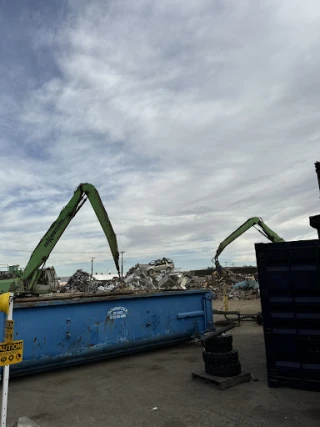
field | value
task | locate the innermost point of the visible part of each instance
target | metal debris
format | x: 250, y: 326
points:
x: 248, y: 283
x: 138, y: 278
x: 81, y: 281
x: 238, y: 286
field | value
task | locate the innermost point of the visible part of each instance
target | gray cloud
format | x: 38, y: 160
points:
x: 189, y: 117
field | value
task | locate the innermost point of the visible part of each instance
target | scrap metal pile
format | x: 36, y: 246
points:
x: 138, y: 278
x: 81, y: 281
x: 239, y: 286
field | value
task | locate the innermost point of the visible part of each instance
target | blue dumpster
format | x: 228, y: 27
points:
x: 67, y: 330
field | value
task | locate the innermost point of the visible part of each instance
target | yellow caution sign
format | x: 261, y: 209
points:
x: 11, y: 352
x: 8, y: 330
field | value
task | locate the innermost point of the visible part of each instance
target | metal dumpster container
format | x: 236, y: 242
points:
x: 64, y: 331
x: 289, y: 277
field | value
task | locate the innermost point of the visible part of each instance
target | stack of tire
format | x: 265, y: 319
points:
x: 219, y: 357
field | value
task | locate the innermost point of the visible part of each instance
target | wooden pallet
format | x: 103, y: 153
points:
x: 222, y: 382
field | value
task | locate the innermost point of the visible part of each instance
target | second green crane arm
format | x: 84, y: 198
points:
x: 266, y: 231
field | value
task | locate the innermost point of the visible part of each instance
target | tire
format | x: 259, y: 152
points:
x: 221, y: 339
x: 221, y: 358
x: 150, y: 272
x: 168, y: 270
x: 231, y: 370
x: 213, y: 348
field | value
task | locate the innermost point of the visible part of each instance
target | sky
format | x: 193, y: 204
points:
x: 188, y: 118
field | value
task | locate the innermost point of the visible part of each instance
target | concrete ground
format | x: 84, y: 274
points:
x: 124, y: 391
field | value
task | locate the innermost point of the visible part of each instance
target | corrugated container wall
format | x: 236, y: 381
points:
x: 289, y: 278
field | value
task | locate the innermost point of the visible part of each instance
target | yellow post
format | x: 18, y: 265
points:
x: 225, y: 298
x: 11, y: 351
x: 6, y: 306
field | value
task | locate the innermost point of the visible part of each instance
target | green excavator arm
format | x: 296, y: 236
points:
x: 251, y: 222
x: 41, y: 253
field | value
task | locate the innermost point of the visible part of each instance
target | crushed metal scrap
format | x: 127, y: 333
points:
x: 238, y: 286
x: 81, y: 281
x: 138, y: 278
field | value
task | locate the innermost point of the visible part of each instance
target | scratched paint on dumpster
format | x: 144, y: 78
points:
x: 117, y: 313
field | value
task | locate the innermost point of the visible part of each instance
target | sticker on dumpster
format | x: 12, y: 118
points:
x: 8, y: 330
x: 117, y: 313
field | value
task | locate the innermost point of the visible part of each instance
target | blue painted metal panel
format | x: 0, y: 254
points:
x: 63, y: 332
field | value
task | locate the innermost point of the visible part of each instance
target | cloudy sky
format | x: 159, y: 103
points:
x: 188, y: 116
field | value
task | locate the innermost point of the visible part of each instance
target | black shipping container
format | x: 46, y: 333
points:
x: 289, y: 279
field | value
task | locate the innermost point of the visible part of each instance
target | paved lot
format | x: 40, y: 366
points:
x: 122, y: 392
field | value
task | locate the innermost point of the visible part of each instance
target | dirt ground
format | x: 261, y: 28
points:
x: 124, y: 391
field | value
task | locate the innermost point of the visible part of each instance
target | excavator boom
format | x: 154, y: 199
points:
x: 50, y: 239
x: 251, y: 222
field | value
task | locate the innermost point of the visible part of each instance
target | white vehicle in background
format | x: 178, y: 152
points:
x: 158, y: 265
